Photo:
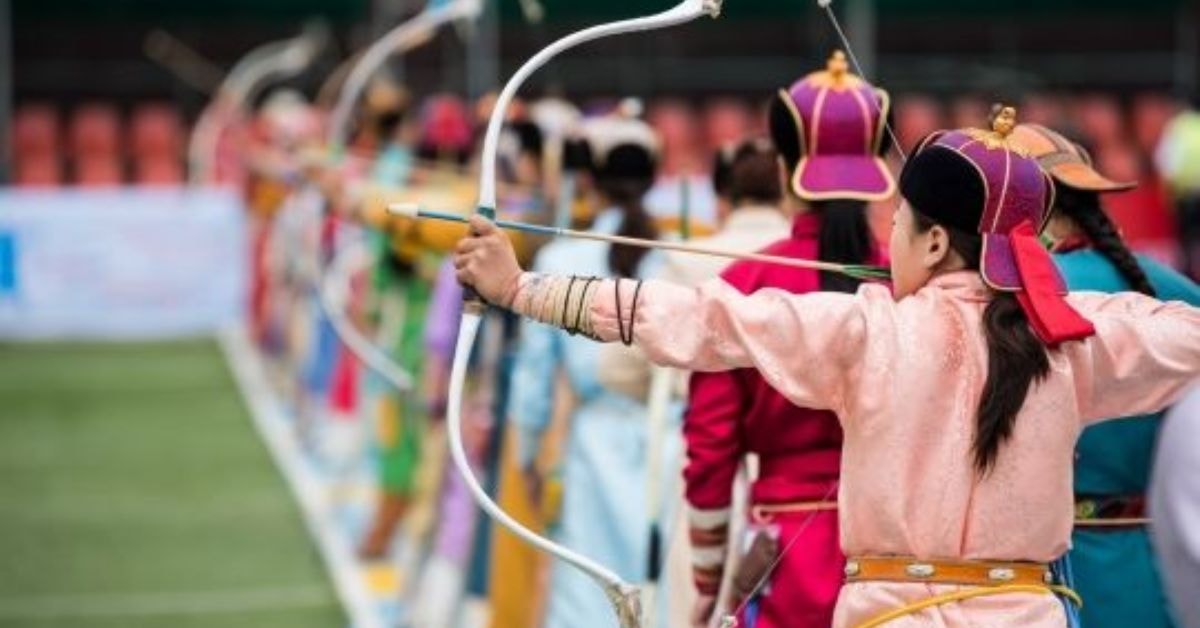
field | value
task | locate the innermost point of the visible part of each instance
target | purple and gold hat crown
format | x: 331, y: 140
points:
x: 840, y: 121
x: 1015, y: 190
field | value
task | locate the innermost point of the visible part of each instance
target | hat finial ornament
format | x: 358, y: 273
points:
x: 837, y: 66
x: 1002, y: 122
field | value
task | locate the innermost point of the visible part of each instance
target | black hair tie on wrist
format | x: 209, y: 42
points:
x: 633, y: 313
x: 620, y: 319
x: 620, y: 322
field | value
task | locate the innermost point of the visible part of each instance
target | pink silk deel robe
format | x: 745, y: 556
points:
x: 904, y: 377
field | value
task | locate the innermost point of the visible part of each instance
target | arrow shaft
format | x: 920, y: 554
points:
x: 681, y: 247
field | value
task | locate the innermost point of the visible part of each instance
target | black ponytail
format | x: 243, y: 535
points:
x: 845, y: 238
x: 636, y: 222
x: 1016, y: 358
x: 625, y: 176
x: 1083, y: 208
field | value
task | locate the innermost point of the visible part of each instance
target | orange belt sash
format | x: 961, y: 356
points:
x: 984, y: 578
x: 978, y: 573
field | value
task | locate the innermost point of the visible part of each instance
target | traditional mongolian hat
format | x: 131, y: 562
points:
x: 980, y: 181
x: 731, y: 155
x: 445, y: 127
x: 620, y: 147
x: 833, y: 122
x: 1068, y: 162
x: 556, y: 119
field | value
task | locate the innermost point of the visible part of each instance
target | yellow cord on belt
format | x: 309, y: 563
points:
x: 1112, y: 523
x: 958, y: 596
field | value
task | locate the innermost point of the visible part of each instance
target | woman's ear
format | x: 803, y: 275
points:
x: 937, y: 247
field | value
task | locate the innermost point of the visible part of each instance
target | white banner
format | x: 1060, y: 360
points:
x: 120, y: 263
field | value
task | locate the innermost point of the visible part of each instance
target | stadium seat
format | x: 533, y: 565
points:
x: 916, y: 116
x: 98, y: 171
x: 156, y: 131
x: 35, y: 131
x: 95, y: 132
x: 726, y: 121
x: 158, y: 171
x: 1100, y: 120
x: 1044, y: 109
x: 1149, y: 116
x: 678, y: 129
x: 970, y: 111
x: 38, y: 171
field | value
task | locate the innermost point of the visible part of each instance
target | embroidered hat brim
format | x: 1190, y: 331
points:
x: 860, y: 177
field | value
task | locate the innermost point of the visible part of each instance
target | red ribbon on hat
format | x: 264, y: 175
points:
x: 1051, y: 317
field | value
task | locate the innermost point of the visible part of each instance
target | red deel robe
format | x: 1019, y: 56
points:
x: 734, y: 413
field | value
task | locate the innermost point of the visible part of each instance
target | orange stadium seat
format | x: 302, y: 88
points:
x: 727, y: 121
x: 38, y: 171
x: 1149, y: 116
x: 35, y: 130
x: 98, y: 171
x: 1044, y: 109
x: 916, y: 116
x: 678, y: 129
x: 156, y: 130
x: 1100, y: 120
x: 969, y: 111
x: 158, y: 171
x: 95, y: 131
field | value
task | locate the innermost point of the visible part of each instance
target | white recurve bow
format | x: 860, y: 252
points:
x: 399, y: 40
x: 334, y: 297
x: 405, y: 36
x: 624, y: 596
x: 268, y: 62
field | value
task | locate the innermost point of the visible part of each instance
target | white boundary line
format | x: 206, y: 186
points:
x: 152, y: 604
x: 277, y: 433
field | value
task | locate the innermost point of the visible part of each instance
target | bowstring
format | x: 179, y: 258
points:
x: 762, y: 581
x: 827, y: 5
x: 837, y: 26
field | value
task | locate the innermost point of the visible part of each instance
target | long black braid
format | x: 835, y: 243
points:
x: 1083, y: 208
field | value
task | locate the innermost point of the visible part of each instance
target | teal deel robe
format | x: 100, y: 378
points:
x: 1115, y: 570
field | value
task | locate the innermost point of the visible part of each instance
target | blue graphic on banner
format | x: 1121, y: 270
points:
x: 120, y: 263
x: 8, y: 264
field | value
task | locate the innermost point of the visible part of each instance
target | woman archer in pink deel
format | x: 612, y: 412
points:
x: 960, y: 397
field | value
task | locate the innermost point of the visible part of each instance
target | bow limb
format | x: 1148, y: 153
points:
x: 685, y: 11
x: 625, y: 597
x: 265, y: 63
x: 333, y: 300
x: 404, y: 37
x: 827, y: 6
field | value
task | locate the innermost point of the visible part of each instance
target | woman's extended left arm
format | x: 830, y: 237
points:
x: 805, y: 345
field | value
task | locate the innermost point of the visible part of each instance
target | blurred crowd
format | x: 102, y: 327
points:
x: 355, y: 308
x: 101, y: 144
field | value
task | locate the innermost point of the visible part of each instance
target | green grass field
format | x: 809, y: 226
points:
x: 134, y: 492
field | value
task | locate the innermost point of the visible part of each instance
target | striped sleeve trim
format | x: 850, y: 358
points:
x: 716, y: 536
x: 708, y: 556
x: 708, y: 579
x: 706, y: 519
